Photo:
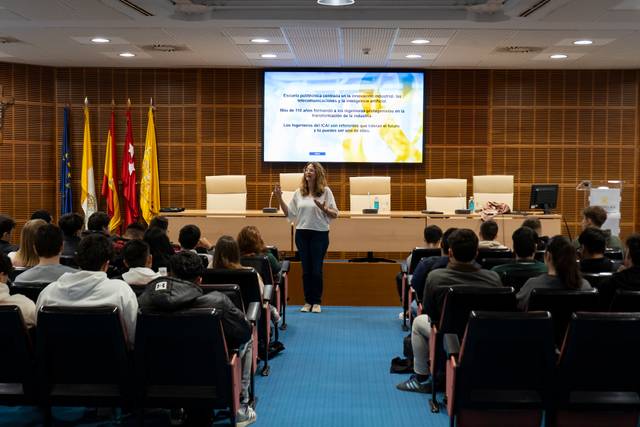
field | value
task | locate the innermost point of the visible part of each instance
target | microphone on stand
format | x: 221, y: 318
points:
x: 269, y: 209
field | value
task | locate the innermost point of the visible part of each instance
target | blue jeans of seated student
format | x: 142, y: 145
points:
x: 312, y: 246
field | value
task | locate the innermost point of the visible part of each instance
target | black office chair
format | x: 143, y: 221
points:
x: 504, y: 376
x: 247, y: 279
x: 29, y: 290
x: 493, y: 253
x: 562, y: 303
x: 181, y: 360
x: 598, y: 372
x: 17, y: 369
x: 489, y: 263
x: 459, y: 301
x: 83, y: 357
x: 16, y: 272
x: 625, y: 301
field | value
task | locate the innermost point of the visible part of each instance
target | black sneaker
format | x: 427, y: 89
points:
x: 412, y: 384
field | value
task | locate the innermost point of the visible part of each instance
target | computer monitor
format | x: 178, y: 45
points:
x: 544, y: 196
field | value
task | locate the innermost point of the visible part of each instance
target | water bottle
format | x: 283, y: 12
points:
x: 472, y: 205
x: 376, y: 203
x: 162, y: 271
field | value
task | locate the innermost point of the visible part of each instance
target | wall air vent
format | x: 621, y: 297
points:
x: 534, y: 8
x: 135, y: 7
x: 166, y: 48
x: 8, y: 39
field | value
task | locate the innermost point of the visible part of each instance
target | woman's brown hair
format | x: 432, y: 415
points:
x: 250, y: 241
x: 27, y: 255
x: 320, y: 183
x: 564, y: 259
x: 226, y: 254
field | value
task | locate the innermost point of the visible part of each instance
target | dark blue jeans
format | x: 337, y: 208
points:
x: 312, y: 246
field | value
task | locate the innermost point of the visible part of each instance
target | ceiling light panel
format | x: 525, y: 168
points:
x: 545, y: 56
x: 436, y: 37
x: 377, y: 42
x: 596, y: 42
x: 244, y: 35
x: 426, y: 51
x: 315, y: 46
x: 112, y: 40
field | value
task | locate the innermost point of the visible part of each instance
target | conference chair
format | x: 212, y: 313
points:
x: 562, y: 303
x: 493, y: 188
x: 29, y: 290
x: 516, y: 279
x: 625, y: 301
x: 363, y: 191
x: 485, y: 257
x: 598, y: 372
x: 247, y: 280
x: 16, y: 272
x: 459, y: 301
x: 406, y: 272
x: 262, y: 265
x: 614, y: 254
x: 182, y: 360
x: 17, y: 379
x: 82, y: 357
x: 600, y: 281
x: 226, y: 193
x: 289, y: 183
x: 445, y: 195
x: 502, y: 374
x: 69, y: 261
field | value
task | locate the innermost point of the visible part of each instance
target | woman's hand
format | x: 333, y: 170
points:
x: 324, y: 208
x: 277, y: 191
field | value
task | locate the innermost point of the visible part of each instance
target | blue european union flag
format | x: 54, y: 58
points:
x: 65, y: 168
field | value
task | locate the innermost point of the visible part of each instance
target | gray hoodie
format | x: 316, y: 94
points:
x: 90, y: 289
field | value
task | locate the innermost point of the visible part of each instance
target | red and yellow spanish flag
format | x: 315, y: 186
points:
x: 150, y: 183
x: 110, y: 178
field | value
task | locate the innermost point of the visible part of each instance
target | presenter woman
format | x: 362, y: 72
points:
x: 311, y: 209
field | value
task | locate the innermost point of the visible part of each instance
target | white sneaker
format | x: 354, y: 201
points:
x: 245, y: 416
x: 316, y: 308
x: 306, y: 308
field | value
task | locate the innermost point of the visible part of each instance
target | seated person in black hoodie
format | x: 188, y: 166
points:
x: 593, y: 242
x: 628, y: 276
x: 181, y: 291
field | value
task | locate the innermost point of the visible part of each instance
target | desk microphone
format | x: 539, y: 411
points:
x: 269, y: 209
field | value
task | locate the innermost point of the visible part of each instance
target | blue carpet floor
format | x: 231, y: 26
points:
x: 333, y: 373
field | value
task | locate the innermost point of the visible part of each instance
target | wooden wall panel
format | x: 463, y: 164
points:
x: 539, y: 125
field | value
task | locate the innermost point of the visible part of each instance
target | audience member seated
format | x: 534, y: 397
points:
x: 488, y: 234
x: 593, y: 243
x: 71, y: 225
x: 27, y: 307
x: 251, y: 244
x: 426, y: 265
x: 43, y: 215
x: 7, y: 225
x: 535, y: 224
x: 90, y: 287
x: 461, y: 270
x: 181, y: 291
x: 190, y: 239
x: 160, y: 246
x: 98, y: 223
x: 524, y: 246
x: 563, y: 271
x: 161, y: 222
x: 432, y: 235
x: 134, y: 231
x: 628, y: 276
x: 138, y: 260
x: 227, y: 256
x: 48, y: 246
x: 594, y: 217
x: 26, y: 255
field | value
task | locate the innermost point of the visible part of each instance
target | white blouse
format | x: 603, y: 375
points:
x: 306, y: 215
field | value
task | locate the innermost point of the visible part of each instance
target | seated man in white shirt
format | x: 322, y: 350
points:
x: 138, y: 259
x: 91, y: 286
x: 26, y: 306
x: 49, y: 242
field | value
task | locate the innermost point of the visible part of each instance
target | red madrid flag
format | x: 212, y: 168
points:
x: 128, y: 174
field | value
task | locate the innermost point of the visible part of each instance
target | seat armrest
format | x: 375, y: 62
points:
x: 451, y: 345
x: 284, y: 267
x: 404, y: 268
x: 268, y: 292
x: 253, y: 312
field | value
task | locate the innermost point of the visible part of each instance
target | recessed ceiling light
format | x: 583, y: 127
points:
x: 583, y: 42
x: 420, y: 41
x: 335, y: 2
x: 100, y: 40
x: 127, y: 54
x: 260, y: 40
x: 558, y: 56
x: 268, y: 55
x: 413, y: 56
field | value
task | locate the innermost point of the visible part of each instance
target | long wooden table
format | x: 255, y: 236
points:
x: 396, y: 231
